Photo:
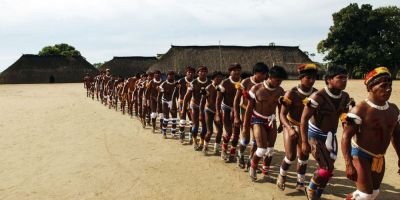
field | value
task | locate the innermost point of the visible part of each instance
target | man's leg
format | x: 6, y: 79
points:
x: 226, y: 115
x: 166, y: 120
x: 153, y: 107
x: 302, y: 161
x: 324, y: 172
x: 271, y: 138
x: 203, y: 129
x: 209, y: 119
x: 182, y: 124
x: 174, y: 121
x: 290, y: 145
x: 195, y: 129
x: 235, y: 139
x: 244, y: 141
x: 260, y: 135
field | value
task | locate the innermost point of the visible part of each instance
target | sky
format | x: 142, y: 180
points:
x: 101, y: 29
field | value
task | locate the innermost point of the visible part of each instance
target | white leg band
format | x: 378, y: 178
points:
x: 270, y: 151
x: 287, y: 161
x: 375, y: 194
x: 261, y: 152
x: 302, y: 162
x: 153, y: 115
x: 282, y: 172
x: 358, y: 195
x: 182, y: 122
x: 301, y: 178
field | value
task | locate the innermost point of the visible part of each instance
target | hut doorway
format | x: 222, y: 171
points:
x: 52, y: 79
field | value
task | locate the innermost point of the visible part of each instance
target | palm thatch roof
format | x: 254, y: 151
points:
x: 41, y: 69
x: 219, y: 57
x: 128, y: 66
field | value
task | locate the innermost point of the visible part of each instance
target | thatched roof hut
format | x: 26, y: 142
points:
x: 44, y: 69
x: 219, y: 57
x: 128, y: 66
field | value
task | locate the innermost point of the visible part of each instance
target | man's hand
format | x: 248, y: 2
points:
x: 292, y: 133
x: 280, y: 128
x: 351, y: 172
x: 305, y: 147
x: 217, y: 119
x: 236, y: 122
x: 181, y: 114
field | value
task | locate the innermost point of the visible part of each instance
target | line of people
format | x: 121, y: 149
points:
x: 244, y: 114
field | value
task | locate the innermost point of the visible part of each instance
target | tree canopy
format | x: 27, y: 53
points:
x: 59, y: 49
x: 362, y: 38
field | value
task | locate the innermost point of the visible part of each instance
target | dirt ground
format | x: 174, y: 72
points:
x: 55, y: 143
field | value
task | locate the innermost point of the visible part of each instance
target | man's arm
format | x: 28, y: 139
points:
x: 250, y: 106
x: 159, y: 95
x: 310, y: 106
x: 186, y: 99
x: 280, y: 127
x: 236, y: 107
x: 218, y: 106
x: 350, y: 128
x: 396, y: 141
x: 285, y: 102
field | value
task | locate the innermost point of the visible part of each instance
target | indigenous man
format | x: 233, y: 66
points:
x: 110, y: 90
x: 291, y: 109
x: 165, y: 97
x: 146, y: 100
x: 260, y: 72
x: 208, y: 103
x: 179, y: 93
x: 104, y: 83
x: 87, y: 83
x: 260, y: 114
x: 368, y: 129
x: 151, y: 96
x: 98, y: 83
x: 318, y: 126
x: 138, y: 94
x: 118, y: 92
x: 224, y: 111
x: 194, y: 93
x: 128, y: 89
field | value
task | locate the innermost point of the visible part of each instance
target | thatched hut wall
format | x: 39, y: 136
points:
x: 219, y: 57
x: 128, y: 66
x: 42, y: 69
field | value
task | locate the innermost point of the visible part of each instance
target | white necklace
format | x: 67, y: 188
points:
x: 233, y: 82
x: 202, y: 82
x: 252, y: 81
x: 332, y: 95
x: 268, y: 87
x: 171, y: 83
x: 385, y: 107
x: 155, y: 81
x: 304, y: 93
x: 187, y: 80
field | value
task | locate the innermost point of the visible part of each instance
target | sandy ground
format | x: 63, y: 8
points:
x: 57, y: 144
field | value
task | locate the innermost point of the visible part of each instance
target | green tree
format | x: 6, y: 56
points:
x: 362, y: 38
x: 98, y: 65
x: 59, y: 49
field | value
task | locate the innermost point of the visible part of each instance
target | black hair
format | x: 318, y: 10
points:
x: 308, y: 72
x: 278, y: 72
x: 260, y: 67
x: 190, y: 68
x: 234, y: 66
x: 334, y: 71
x: 216, y: 73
